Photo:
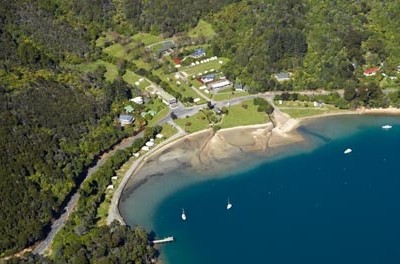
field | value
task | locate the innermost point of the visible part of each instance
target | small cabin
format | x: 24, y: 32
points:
x: 126, y: 120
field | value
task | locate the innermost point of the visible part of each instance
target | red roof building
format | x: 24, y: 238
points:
x: 371, y: 71
x: 177, y: 61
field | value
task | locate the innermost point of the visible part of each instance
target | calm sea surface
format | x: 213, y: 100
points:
x: 313, y: 204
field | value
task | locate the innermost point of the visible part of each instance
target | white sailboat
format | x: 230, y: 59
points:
x: 229, y: 205
x: 183, y: 215
x: 387, y: 127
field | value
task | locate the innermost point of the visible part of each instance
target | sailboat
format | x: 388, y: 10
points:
x: 183, y: 215
x: 229, y: 205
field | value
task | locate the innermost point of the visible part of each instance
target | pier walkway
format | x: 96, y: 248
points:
x: 164, y: 240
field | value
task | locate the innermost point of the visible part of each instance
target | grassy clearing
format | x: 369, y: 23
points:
x: 239, y: 116
x: 203, y: 28
x: 146, y: 38
x: 142, y: 64
x: 201, y: 68
x: 101, y: 41
x: 305, y: 112
x: 116, y: 50
x: 228, y: 94
x: 110, y: 74
x: 197, y: 122
x: 183, y: 88
x: 160, y: 115
x: 299, y: 109
x: 132, y: 78
x: 168, y: 130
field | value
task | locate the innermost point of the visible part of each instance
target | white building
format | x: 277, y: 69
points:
x: 219, y: 84
x: 137, y: 100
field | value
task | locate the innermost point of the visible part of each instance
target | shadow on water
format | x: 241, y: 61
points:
x: 305, y: 131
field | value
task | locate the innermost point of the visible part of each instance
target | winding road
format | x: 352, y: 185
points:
x: 180, y: 112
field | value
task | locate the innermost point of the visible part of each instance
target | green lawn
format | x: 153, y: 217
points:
x: 116, y: 50
x: 202, y: 28
x: 204, y: 67
x: 197, y: 123
x: 132, y: 78
x: 183, y: 88
x: 110, y: 74
x: 160, y: 115
x: 146, y: 38
x: 239, y: 116
x: 142, y: 64
x: 227, y: 94
x: 101, y: 41
x: 168, y: 130
x: 299, y: 109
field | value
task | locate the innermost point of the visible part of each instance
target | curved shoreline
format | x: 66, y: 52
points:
x: 284, y: 133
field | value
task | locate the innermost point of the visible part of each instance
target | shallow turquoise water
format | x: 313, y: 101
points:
x: 318, y: 206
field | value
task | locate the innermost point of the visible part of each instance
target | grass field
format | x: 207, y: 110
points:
x: 160, y: 115
x: 227, y: 94
x: 110, y: 74
x: 142, y: 64
x: 168, y: 130
x: 183, y: 88
x: 146, y: 38
x: 304, y: 109
x: 116, y: 50
x: 239, y: 116
x: 197, y: 123
x: 101, y: 41
x: 131, y: 78
x: 202, y: 28
x: 205, y: 67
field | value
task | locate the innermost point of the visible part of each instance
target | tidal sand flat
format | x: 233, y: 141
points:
x: 307, y: 203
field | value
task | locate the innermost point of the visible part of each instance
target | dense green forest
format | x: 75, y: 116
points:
x: 325, y: 44
x: 54, y: 121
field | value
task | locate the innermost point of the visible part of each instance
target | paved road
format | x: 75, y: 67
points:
x: 59, y: 223
x: 180, y: 111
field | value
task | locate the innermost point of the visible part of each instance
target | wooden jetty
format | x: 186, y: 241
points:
x: 164, y: 240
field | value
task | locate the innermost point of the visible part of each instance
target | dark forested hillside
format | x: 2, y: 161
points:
x: 47, y: 117
x: 54, y: 121
x: 170, y: 17
x: 261, y: 37
x: 325, y: 44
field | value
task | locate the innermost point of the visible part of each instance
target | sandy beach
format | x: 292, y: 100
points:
x: 207, y: 151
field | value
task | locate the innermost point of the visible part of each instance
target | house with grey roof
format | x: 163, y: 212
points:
x: 282, y: 76
x: 126, y: 119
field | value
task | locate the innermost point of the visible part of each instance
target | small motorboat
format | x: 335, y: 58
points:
x: 347, y: 151
x: 387, y: 127
x: 229, y: 205
x: 183, y: 215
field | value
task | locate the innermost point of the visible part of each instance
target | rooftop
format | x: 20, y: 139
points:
x: 127, y: 118
x: 198, y: 52
x: 129, y: 109
x: 371, y: 70
x: 282, y: 76
x: 164, y: 95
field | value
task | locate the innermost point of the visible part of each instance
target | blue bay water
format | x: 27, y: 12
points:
x: 318, y: 206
